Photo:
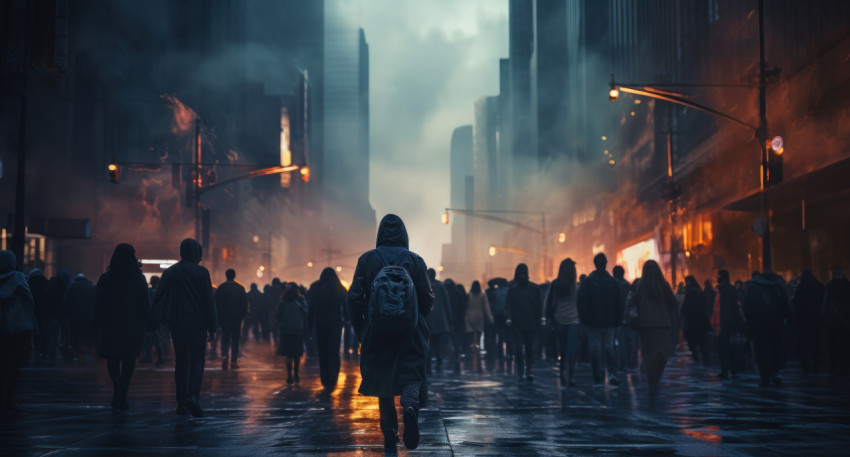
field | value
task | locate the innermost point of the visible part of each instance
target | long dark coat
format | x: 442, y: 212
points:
x: 122, y: 313
x: 389, y: 361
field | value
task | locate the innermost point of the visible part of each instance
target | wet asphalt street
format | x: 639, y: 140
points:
x: 64, y: 411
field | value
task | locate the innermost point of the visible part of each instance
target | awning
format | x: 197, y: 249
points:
x: 822, y: 182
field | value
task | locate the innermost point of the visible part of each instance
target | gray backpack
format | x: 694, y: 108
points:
x: 393, y: 306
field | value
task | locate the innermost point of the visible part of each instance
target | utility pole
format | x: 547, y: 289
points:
x: 762, y: 139
x: 19, y: 236
x: 196, y: 195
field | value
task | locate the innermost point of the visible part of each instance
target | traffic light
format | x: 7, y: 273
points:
x: 114, y: 171
x: 775, y: 149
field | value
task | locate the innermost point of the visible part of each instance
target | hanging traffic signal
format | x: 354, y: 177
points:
x: 114, y: 172
x: 775, y: 150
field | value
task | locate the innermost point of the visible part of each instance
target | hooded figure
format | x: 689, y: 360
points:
x: 392, y: 364
x: 808, y: 301
x: 16, y: 326
x: 326, y: 301
x: 524, y: 307
x: 184, y: 300
x: 766, y: 307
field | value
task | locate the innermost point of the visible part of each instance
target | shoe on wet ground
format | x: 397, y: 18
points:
x: 195, y: 408
x: 224, y: 364
x: 390, y: 444
x: 411, y: 428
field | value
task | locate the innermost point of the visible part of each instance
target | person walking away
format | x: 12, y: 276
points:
x: 626, y: 336
x: 728, y: 325
x: 696, y: 323
x: 656, y: 308
x: 291, y: 318
x: 710, y: 296
x: 79, y: 304
x: 808, y: 301
x: 477, y: 316
x: 499, y: 301
x: 153, y: 339
x: 232, y: 304
x: 54, y: 314
x: 255, y: 304
x: 524, y: 311
x: 38, y: 284
x: 601, y: 308
x: 17, y: 327
x: 391, y: 324
x: 562, y: 309
x: 767, y: 308
x: 460, y: 300
x: 123, y: 314
x: 185, y: 301
x: 439, y: 320
x: 836, y: 315
x: 326, y: 315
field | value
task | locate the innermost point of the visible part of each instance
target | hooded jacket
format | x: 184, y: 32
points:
x: 231, y: 302
x: 184, y: 297
x: 15, y: 297
x: 766, y: 305
x: 326, y: 302
x: 389, y: 361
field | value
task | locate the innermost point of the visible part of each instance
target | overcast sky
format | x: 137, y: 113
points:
x: 429, y: 61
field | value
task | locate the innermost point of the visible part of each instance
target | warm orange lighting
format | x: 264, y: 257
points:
x: 611, y: 162
x: 637, y: 101
x: 338, y: 269
x: 492, y: 251
x: 632, y: 114
x: 440, y: 268
x: 309, y: 264
x: 445, y: 218
x: 562, y: 237
x: 305, y: 174
x: 112, y: 167
x: 613, y: 94
x: 604, y: 138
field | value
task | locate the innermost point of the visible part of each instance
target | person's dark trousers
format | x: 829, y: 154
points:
x: 389, y: 415
x: 347, y: 340
x: 14, y: 353
x: 524, y: 351
x: 724, y: 351
x: 189, y: 351
x: 459, y: 344
x: 435, y: 349
x: 568, y: 344
x: 601, y: 342
x: 808, y: 345
x: 120, y: 371
x: 490, y: 338
x: 327, y: 345
x: 230, y: 335
x: 768, y: 346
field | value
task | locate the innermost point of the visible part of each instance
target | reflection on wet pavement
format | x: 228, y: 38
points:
x: 252, y: 411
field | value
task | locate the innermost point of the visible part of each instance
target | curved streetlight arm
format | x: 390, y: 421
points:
x: 681, y: 101
x: 253, y: 174
x: 482, y: 214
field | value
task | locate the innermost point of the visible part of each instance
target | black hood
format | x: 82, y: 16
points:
x: 768, y: 279
x: 391, y: 232
x: 8, y: 261
x: 191, y: 250
x: 521, y: 273
x: 328, y: 275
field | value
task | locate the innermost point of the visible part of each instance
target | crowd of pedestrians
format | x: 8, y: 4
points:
x: 404, y: 323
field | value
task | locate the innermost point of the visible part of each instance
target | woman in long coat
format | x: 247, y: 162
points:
x: 123, y: 314
x: 656, y: 306
x: 477, y: 313
x: 291, y: 318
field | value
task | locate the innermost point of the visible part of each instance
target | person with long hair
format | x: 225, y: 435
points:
x: 326, y: 315
x: 524, y: 316
x: 656, y: 306
x: 477, y: 314
x: 123, y: 314
x: 561, y: 309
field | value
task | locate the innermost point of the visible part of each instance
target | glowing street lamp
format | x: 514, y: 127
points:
x: 613, y: 94
x: 492, y: 251
x: 445, y: 218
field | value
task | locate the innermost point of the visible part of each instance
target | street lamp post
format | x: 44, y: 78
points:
x: 488, y: 215
x: 760, y: 130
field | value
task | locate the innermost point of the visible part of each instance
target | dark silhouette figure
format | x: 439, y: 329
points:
x: 255, y: 306
x: 54, y: 314
x: 562, y: 310
x: 460, y: 300
x: 392, y: 363
x: 601, y: 307
x: 155, y: 339
x: 497, y: 295
x: 439, y: 321
x: 185, y: 301
x: 38, y: 283
x: 808, y: 301
x: 16, y: 327
x: 122, y: 313
x: 836, y: 313
x: 767, y: 308
x: 291, y: 318
x: 627, y: 340
x: 696, y: 322
x: 710, y: 296
x: 231, y: 301
x: 79, y: 307
x: 478, y: 315
x: 728, y: 325
x: 524, y: 309
x: 326, y: 315
x: 656, y: 309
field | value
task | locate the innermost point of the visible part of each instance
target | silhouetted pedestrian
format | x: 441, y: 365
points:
x: 326, y: 315
x: 157, y: 338
x: 728, y: 325
x: 185, y: 301
x: 696, y: 322
x: 767, y: 308
x: 231, y: 301
x: 291, y: 319
x: 656, y: 307
x: 503, y: 338
x: 392, y: 363
x: 123, y: 314
x: 710, y: 296
x: 601, y: 308
x: 79, y: 303
x: 836, y: 314
x: 561, y: 305
x: 459, y: 300
x: 17, y: 326
x: 439, y: 320
x: 524, y: 309
x: 54, y: 314
x: 627, y: 340
x: 808, y: 303
x: 477, y: 316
